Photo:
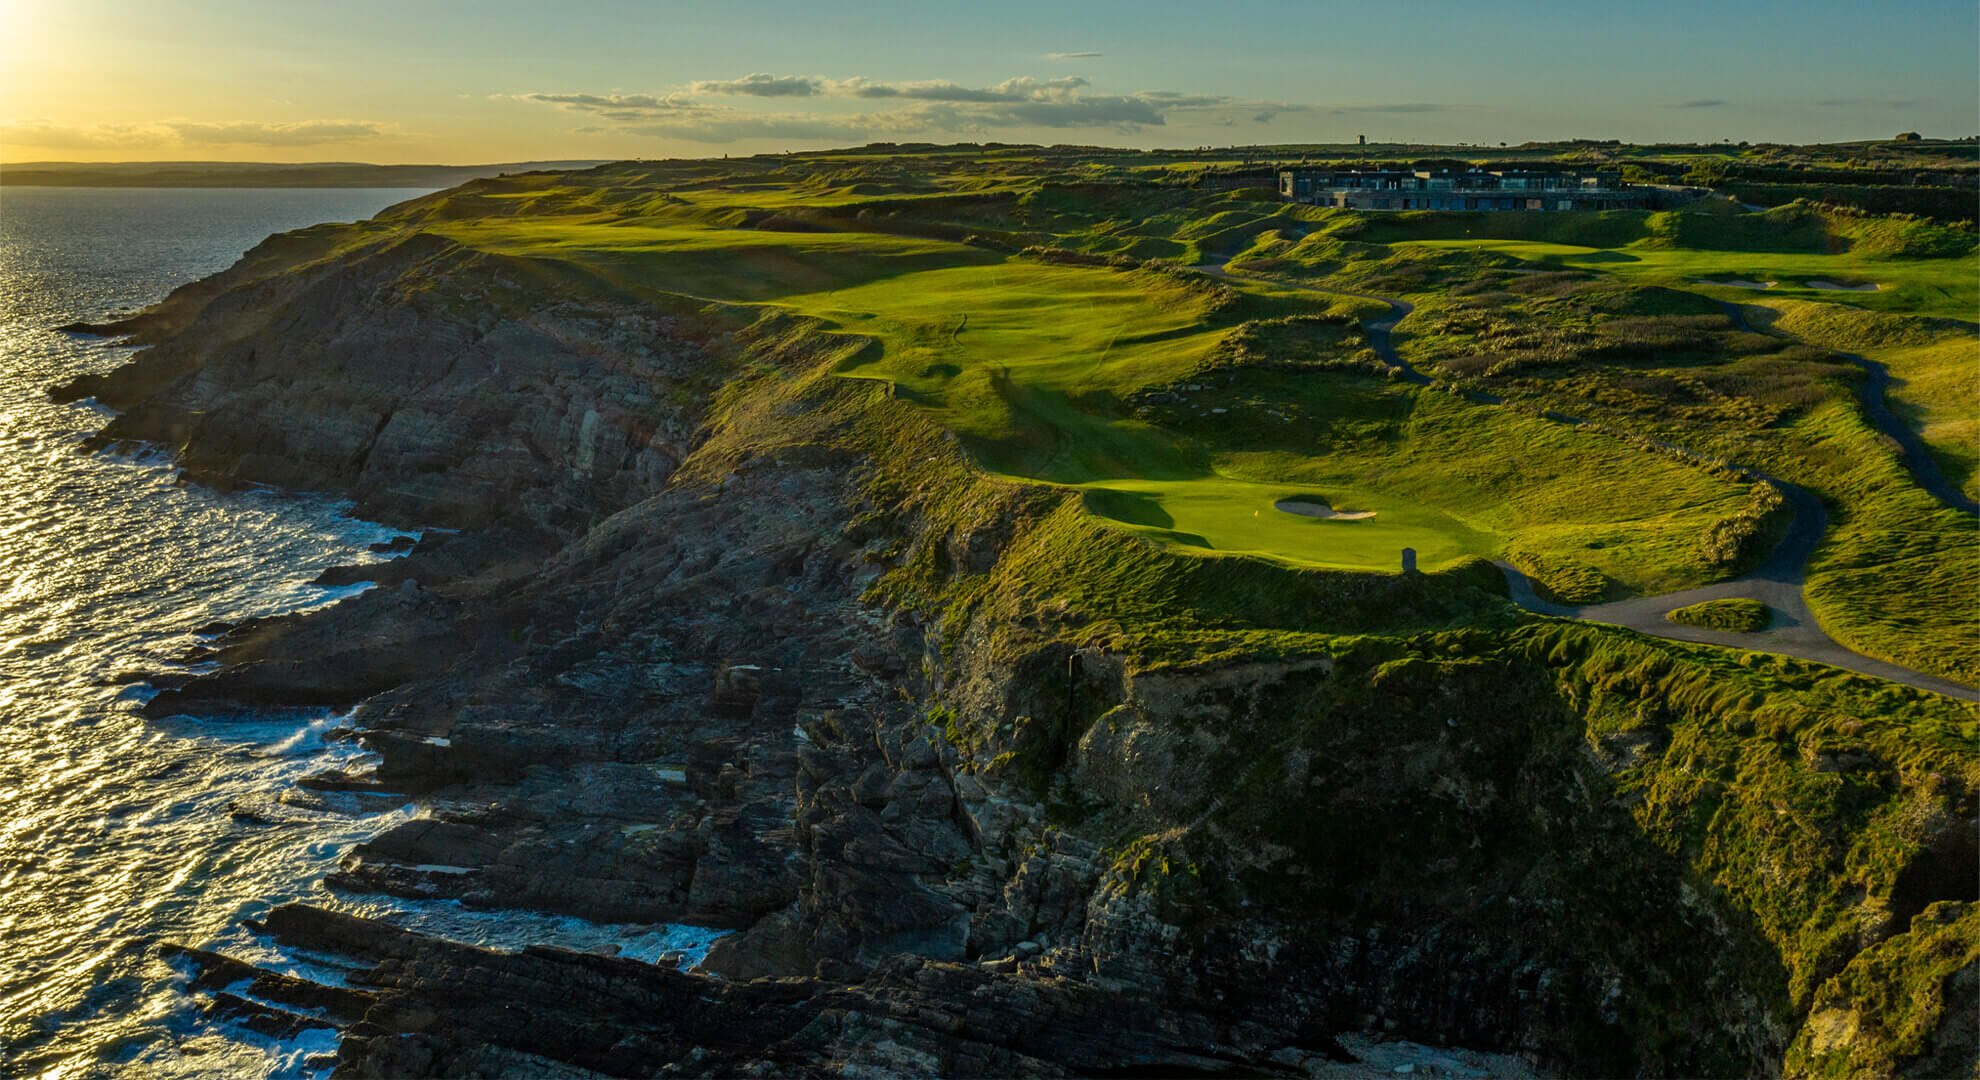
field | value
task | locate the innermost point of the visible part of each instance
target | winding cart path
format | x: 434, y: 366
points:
x: 1776, y: 583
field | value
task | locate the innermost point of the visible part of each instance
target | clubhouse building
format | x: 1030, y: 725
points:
x: 1507, y: 189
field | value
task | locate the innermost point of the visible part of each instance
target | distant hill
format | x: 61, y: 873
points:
x: 260, y: 174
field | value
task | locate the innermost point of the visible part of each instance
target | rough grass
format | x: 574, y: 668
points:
x: 1801, y: 793
x: 1897, y: 572
x: 1923, y: 269
x: 1178, y: 409
x: 1795, y: 802
x: 1044, y: 366
x: 1737, y: 614
x: 1934, y: 368
x: 1902, y: 1007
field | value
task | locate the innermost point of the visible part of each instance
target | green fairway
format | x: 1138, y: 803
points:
x: 733, y: 264
x: 1034, y: 364
x: 1120, y: 380
x: 1938, y: 287
x: 1028, y: 360
x: 1030, y: 363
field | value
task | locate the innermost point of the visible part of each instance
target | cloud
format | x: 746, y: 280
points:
x: 760, y: 84
x: 1697, y: 103
x: 606, y: 101
x: 1119, y: 113
x: 1403, y: 107
x: 1169, y: 99
x: 62, y: 137
x: 1020, y: 89
x: 617, y: 108
x: 1073, y: 55
x: 298, y: 134
x: 188, y: 133
x: 1867, y: 103
x: 924, y: 106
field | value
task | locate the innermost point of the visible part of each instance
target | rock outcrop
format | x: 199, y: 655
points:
x: 656, y: 679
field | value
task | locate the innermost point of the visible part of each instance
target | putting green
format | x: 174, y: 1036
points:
x: 1238, y: 517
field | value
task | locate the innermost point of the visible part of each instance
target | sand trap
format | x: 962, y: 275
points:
x: 1308, y: 508
x: 1741, y: 283
x: 1832, y: 286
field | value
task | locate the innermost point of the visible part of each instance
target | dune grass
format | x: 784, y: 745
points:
x: 1934, y: 369
x: 1037, y: 365
x: 1121, y: 382
x: 1897, y: 573
x: 1939, y: 287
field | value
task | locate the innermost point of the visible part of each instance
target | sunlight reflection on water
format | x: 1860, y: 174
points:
x: 114, y: 831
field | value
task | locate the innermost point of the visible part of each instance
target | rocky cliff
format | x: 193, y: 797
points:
x: 984, y: 788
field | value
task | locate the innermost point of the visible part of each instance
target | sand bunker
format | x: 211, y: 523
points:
x: 1309, y: 508
x: 1741, y: 283
x: 1836, y: 286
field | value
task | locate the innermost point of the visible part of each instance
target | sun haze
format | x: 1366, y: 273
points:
x: 279, y: 80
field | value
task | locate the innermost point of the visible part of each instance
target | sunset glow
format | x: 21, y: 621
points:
x: 90, y: 80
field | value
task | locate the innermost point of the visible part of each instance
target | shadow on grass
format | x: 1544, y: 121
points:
x: 1129, y: 507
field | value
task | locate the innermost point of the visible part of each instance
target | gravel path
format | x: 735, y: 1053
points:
x: 1776, y: 583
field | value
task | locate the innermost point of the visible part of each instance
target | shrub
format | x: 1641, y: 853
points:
x: 1739, y: 540
x: 1737, y: 614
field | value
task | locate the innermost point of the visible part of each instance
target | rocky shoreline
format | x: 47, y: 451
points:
x: 639, y: 670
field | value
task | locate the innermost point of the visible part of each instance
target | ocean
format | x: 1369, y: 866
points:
x: 118, y: 833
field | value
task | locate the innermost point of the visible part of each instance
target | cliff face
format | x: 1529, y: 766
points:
x: 733, y: 642
x: 433, y: 383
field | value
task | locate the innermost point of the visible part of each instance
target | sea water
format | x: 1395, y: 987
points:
x: 118, y: 833
x: 115, y: 831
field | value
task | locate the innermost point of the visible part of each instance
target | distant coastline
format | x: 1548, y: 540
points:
x: 229, y: 174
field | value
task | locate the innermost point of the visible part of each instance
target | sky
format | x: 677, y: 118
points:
x: 476, y: 81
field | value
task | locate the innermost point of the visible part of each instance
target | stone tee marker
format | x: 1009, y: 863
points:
x: 1409, y: 560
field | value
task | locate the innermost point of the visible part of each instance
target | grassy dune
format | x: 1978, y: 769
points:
x: 1934, y: 368
x: 1921, y: 269
x: 1602, y: 316
x: 1019, y: 310
x: 1035, y: 364
x: 1937, y: 287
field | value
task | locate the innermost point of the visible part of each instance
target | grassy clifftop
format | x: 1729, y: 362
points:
x: 1733, y: 853
x: 1111, y: 548
x: 1115, y: 378
x: 1017, y: 302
